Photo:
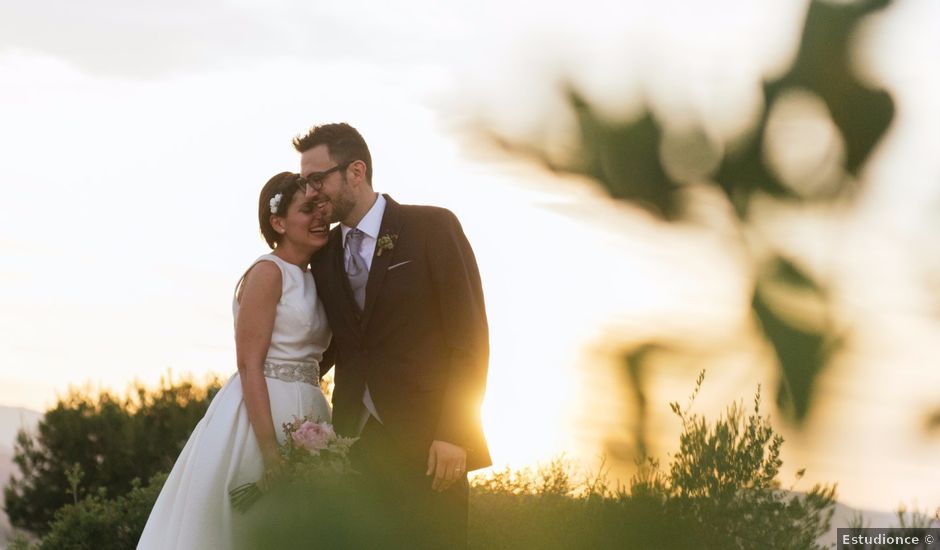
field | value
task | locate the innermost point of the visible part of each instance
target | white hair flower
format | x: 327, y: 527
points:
x: 275, y: 202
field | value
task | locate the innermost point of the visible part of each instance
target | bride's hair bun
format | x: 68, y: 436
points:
x: 286, y: 183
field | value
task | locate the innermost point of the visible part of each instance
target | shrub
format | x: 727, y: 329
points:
x: 99, y: 523
x: 723, y: 480
x: 105, y: 441
x: 719, y: 491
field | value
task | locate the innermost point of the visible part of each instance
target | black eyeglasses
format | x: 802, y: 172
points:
x: 314, y: 180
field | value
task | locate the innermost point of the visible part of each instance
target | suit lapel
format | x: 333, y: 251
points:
x: 381, y: 258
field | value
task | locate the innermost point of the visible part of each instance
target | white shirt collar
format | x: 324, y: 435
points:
x: 371, y: 223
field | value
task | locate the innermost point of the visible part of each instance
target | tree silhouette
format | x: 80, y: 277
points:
x: 89, y: 443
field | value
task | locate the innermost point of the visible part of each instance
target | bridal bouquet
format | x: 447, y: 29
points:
x: 313, y: 455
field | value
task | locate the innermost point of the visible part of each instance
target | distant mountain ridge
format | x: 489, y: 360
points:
x: 12, y: 419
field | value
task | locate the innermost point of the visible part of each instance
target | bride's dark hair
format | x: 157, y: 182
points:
x: 285, y: 183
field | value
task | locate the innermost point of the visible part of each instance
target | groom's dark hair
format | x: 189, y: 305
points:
x: 344, y: 143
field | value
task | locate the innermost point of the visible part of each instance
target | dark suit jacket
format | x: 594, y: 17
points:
x: 422, y: 341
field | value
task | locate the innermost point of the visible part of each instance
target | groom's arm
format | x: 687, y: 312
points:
x: 459, y: 291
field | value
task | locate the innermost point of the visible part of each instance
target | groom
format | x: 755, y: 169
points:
x: 402, y: 292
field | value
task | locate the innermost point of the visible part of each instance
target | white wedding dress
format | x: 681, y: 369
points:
x: 193, y: 510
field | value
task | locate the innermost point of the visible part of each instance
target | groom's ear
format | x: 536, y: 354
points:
x: 358, y: 169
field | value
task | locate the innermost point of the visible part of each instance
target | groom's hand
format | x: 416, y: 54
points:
x: 447, y: 463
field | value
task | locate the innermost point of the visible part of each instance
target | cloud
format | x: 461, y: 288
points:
x: 112, y: 37
x: 143, y: 39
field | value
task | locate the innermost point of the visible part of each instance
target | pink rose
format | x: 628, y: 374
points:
x: 314, y: 436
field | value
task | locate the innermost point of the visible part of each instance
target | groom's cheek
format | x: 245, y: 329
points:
x: 323, y: 211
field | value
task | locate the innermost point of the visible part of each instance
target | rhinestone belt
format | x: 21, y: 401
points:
x: 293, y: 372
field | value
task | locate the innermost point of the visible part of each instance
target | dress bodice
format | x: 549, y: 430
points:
x: 301, y: 333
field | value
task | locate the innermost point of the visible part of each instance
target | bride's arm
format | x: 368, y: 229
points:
x: 260, y: 293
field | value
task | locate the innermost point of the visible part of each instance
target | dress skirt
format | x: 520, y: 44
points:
x: 193, y: 510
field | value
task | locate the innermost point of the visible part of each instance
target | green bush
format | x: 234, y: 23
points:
x: 719, y: 491
x: 99, y: 523
x: 543, y: 508
x: 723, y: 480
x: 104, y: 441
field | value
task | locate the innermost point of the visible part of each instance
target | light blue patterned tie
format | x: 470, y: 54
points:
x: 356, y: 268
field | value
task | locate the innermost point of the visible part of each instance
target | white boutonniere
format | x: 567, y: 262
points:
x: 385, y: 242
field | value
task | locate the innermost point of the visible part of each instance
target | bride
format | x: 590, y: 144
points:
x: 281, y: 334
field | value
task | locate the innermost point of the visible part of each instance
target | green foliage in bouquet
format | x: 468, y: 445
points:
x: 316, y: 453
x: 105, y: 441
x: 311, y: 501
x: 314, y: 457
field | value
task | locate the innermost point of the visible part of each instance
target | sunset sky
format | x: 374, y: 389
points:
x: 136, y: 136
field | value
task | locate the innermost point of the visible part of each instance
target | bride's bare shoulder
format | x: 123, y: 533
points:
x: 263, y: 279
